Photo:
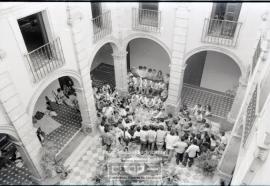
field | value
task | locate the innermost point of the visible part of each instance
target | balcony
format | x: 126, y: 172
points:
x: 256, y: 55
x: 221, y: 32
x: 146, y: 20
x: 45, y: 59
x: 102, y: 26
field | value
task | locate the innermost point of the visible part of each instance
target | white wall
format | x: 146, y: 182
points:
x: 246, y: 155
x: 15, y: 62
x: 104, y: 55
x: 144, y: 52
x: 220, y: 72
x: 264, y: 91
x: 250, y: 17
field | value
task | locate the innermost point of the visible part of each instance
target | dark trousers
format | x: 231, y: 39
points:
x: 188, y: 160
x: 179, y: 157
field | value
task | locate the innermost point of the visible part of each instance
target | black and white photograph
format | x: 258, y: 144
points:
x: 134, y: 93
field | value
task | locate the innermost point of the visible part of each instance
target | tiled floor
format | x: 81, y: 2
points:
x: 221, y: 104
x: 103, y: 74
x: 15, y: 175
x: 70, y: 121
x: 86, y: 168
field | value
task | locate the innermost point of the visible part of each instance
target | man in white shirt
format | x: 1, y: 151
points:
x: 170, y: 140
x: 180, y: 147
x: 192, y: 151
x: 152, y: 135
x: 223, y: 139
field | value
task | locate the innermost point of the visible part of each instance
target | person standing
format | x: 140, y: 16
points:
x: 180, y: 147
x: 191, y: 153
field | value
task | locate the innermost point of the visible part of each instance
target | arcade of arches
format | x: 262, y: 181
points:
x: 142, y: 72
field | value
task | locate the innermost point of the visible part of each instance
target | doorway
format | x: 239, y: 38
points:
x: 33, y: 31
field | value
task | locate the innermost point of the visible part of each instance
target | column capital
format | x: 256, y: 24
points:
x: 242, y: 83
x: 183, y: 67
x: 119, y: 54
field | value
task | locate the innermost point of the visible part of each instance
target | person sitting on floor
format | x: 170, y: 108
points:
x: 207, y: 110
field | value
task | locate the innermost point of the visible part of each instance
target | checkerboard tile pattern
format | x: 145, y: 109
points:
x: 103, y: 74
x: 70, y: 121
x: 220, y: 103
x: 86, y: 168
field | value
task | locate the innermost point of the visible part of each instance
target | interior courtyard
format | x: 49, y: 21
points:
x: 141, y: 93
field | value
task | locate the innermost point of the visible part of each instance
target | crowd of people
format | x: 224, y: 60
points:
x: 141, y: 118
x: 148, y: 82
x: 66, y: 95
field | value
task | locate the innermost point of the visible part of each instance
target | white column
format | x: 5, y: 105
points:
x: 175, y: 87
x: 177, y: 66
x: 238, y: 100
x: 120, y: 70
x: 88, y: 102
x: 86, y: 122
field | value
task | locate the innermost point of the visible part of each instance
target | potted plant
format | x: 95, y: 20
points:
x: 208, y: 163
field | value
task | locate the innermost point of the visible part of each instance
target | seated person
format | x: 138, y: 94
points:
x: 196, y: 108
x: 60, y: 97
x: 207, y: 110
x: 166, y: 78
x: 150, y: 103
x: 144, y: 72
x: 164, y: 94
x: 223, y: 139
x: 135, y: 71
x: 159, y: 76
x: 154, y: 75
x: 198, y: 116
x: 149, y: 74
x: 139, y: 71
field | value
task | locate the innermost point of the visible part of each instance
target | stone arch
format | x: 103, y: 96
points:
x: 146, y: 36
x: 10, y: 131
x: 111, y: 40
x: 46, y: 82
x: 220, y: 50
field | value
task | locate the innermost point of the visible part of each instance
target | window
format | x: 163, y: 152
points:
x: 226, y: 11
x: 148, y: 14
x: 96, y: 12
x: 224, y: 19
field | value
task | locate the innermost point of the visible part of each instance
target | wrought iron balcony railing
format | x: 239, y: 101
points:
x: 256, y: 55
x: 45, y: 59
x: 102, y: 25
x: 221, y: 32
x: 146, y: 20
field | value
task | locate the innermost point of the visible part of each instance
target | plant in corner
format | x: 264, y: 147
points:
x: 208, y: 163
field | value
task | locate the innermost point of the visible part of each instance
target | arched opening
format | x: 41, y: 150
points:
x: 147, y: 52
x: 211, y: 78
x: 57, y: 117
x: 102, y: 67
x: 15, y: 166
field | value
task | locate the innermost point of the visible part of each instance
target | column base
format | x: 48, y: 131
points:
x: 122, y: 92
x: 172, y: 108
x: 86, y: 129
